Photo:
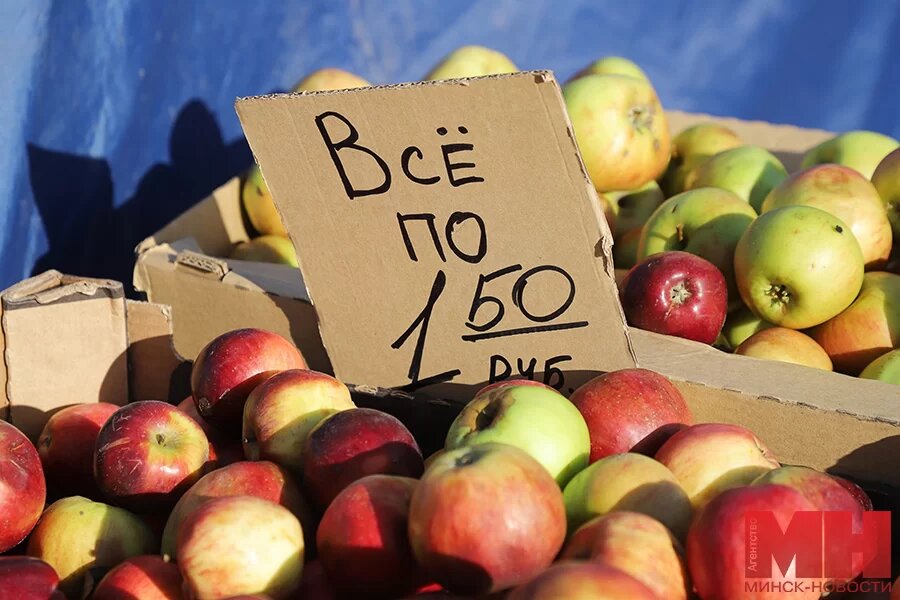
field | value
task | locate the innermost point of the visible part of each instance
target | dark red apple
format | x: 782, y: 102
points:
x: 630, y: 410
x: 363, y: 542
x: 575, y: 579
x: 66, y: 446
x: 262, y: 479
x: 26, y: 578
x: 231, y: 365
x: 717, y: 543
x: 223, y: 448
x: 676, y: 293
x: 486, y: 518
x: 350, y: 444
x: 146, y: 577
x: 23, y: 489
x: 147, y: 454
x: 314, y: 584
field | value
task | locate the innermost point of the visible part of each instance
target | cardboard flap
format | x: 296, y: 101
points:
x: 207, y: 265
x: 447, y: 231
x: 64, y: 343
x: 155, y: 369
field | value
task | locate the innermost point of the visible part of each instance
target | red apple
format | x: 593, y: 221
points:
x: 281, y: 412
x: 66, y: 446
x: 26, y: 578
x: 231, y: 365
x: 149, y: 453
x: 574, y: 579
x: 351, y: 444
x: 145, y: 577
x: 637, y: 544
x: 676, y: 293
x: 857, y: 492
x: 717, y: 543
x: 627, y: 408
x: 262, y: 479
x: 485, y: 518
x: 363, y: 542
x: 710, y: 458
x: 22, y: 486
x: 223, y: 448
x: 240, y: 545
x: 314, y: 584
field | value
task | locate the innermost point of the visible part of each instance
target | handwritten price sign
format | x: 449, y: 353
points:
x: 446, y: 232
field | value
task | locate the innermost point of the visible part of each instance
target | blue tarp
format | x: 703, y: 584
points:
x: 118, y: 115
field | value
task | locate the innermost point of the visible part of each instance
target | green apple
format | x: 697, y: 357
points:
x: 631, y: 482
x: 847, y: 195
x: 690, y: 149
x: 886, y: 180
x: 885, y: 368
x: 860, y: 150
x: 707, y: 222
x: 330, y: 79
x: 634, y: 207
x: 621, y: 130
x: 613, y: 65
x: 749, y: 171
x: 625, y: 249
x: 472, y: 61
x: 740, y: 325
x: 536, y: 419
x: 798, y: 266
x: 267, y: 248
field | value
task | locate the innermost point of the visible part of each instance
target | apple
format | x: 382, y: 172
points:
x: 860, y: 150
x: 350, y: 444
x: 785, y: 345
x: 826, y: 494
x: 886, y: 180
x: 363, y: 542
x: 627, y: 408
x: 717, y: 543
x: 330, y: 79
x: 66, y: 448
x: 798, y: 266
x: 848, y: 196
x: 23, y: 489
x: 608, y: 212
x: 145, y: 577
x: 885, y: 368
x: 261, y: 479
x: 223, y: 449
x: 868, y: 328
x: 631, y: 482
x: 613, y: 65
x: 537, y: 419
x: 748, y: 171
x: 148, y: 453
x: 690, y: 148
x: 707, y: 222
x: 76, y: 534
x: 266, y: 248
x: 27, y: 578
x: 240, y: 545
x: 857, y: 492
x: 576, y: 579
x: 259, y: 206
x: 625, y: 249
x: 741, y: 324
x: 637, y: 544
x: 281, y: 412
x: 620, y: 128
x: 472, y: 61
x: 485, y: 518
x: 633, y: 207
x: 709, y: 458
x: 676, y: 293
x: 314, y: 584
x: 231, y: 366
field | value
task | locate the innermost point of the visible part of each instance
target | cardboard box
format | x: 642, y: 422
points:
x: 824, y: 420
x: 69, y: 340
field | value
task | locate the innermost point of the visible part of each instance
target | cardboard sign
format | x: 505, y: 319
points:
x: 447, y: 232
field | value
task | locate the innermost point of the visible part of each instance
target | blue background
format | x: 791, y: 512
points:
x: 119, y: 115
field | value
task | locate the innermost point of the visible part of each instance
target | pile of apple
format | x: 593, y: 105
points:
x: 268, y: 482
